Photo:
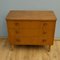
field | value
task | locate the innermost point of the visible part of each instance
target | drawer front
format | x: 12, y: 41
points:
x: 24, y: 32
x: 24, y: 24
x: 33, y: 41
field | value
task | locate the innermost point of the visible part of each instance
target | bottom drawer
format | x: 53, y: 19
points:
x: 35, y: 41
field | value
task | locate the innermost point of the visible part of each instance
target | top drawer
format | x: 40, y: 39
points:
x: 24, y: 24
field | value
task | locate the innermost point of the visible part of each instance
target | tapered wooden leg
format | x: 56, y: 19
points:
x: 49, y: 48
x: 12, y: 47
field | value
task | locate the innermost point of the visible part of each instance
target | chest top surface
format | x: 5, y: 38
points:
x: 30, y: 15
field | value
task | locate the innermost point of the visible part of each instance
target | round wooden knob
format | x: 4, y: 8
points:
x: 17, y: 31
x: 16, y: 24
x: 44, y: 32
x: 44, y: 24
x: 18, y: 40
x: 44, y: 40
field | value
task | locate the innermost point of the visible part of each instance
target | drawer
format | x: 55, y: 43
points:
x: 24, y: 24
x: 33, y: 41
x: 24, y: 32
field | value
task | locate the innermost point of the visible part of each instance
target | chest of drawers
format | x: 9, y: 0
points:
x: 31, y: 27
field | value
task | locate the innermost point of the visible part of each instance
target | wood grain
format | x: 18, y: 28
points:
x: 30, y: 15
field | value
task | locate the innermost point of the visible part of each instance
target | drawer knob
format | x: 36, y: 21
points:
x: 44, y: 32
x: 44, y: 24
x: 16, y: 24
x: 44, y: 40
x: 17, y: 40
x: 17, y: 31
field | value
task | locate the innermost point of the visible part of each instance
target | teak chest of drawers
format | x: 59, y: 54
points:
x: 31, y: 27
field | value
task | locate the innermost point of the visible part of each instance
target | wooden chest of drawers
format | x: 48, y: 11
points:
x: 31, y: 27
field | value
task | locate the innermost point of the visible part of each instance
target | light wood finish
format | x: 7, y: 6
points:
x: 31, y: 15
x: 31, y: 27
x: 29, y: 52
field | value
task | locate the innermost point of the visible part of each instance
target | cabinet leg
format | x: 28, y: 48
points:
x: 12, y: 47
x: 49, y: 48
